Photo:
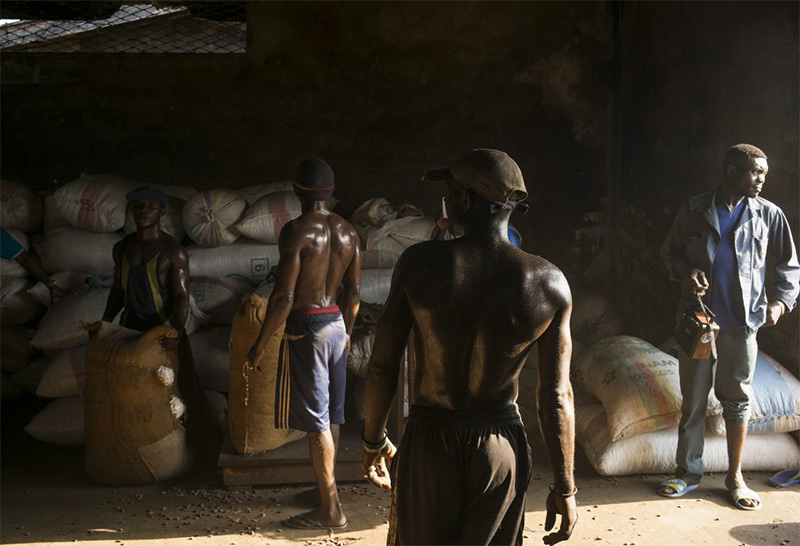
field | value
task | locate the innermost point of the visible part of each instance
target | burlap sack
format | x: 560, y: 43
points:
x: 251, y: 394
x: 133, y: 435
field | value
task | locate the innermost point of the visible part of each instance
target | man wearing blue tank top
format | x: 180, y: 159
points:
x: 151, y: 288
x: 736, y: 247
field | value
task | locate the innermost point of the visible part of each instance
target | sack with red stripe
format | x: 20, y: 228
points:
x: 95, y: 202
x: 266, y: 217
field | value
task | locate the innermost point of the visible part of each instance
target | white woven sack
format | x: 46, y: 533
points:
x: 211, y: 351
x: 16, y: 306
x: 65, y: 375
x: 61, y: 326
x: 20, y: 207
x: 15, y: 349
x: 244, y: 258
x: 78, y: 250
x: 171, y: 220
x: 52, y: 220
x: 61, y: 422
x: 654, y: 452
x: 382, y: 255
x: 360, y: 353
x: 209, y: 215
x: 10, y: 268
x: 29, y: 376
x: 218, y: 298
x: 375, y: 285
x: 69, y: 281
x: 266, y: 217
x: 254, y: 193
x: 95, y: 202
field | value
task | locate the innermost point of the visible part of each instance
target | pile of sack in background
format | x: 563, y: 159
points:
x: 628, y: 405
x: 231, y: 238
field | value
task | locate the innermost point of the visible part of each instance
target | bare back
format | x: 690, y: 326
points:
x: 476, y: 310
x: 325, y: 245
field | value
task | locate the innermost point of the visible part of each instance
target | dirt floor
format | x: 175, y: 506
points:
x: 47, y: 500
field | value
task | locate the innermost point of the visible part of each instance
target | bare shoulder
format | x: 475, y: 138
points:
x: 341, y: 225
x: 175, y: 250
x: 546, y: 278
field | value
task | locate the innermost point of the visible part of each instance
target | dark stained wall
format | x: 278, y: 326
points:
x: 381, y: 90
x: 696, y: 78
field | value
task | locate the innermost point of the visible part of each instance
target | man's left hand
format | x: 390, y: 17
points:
x: 375, y: 466
x: 774, y: 313
x: 566, y: 507
x: 170, y: 343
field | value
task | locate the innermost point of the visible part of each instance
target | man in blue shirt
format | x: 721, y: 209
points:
x: 719, y: 245
x: 10, y: 249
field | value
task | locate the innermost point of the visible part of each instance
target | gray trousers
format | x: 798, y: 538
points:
x: 730, y: 375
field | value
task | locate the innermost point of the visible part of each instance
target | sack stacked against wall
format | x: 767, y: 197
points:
x: 251, y: 396
x: 10, y: 268
x: 133, y: 411
x: 209, y: 216
x: 244, y: 258
x: 386, y: 230
x: 95, y: 202
x: 266, y: 217
x: 634, y: 427
x: 171, y: 221
x: 20, y: 207
x: 16, y: 306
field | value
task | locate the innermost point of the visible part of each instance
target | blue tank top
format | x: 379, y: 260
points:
x: 148, y: 301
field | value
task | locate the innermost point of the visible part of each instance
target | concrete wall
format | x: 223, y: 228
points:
x: 380, y: 90
x: 696, y: 78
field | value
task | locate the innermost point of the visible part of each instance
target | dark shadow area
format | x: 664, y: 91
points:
x: 771, y: 534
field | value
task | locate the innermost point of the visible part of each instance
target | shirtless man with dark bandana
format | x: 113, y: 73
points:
x: 476, y: 306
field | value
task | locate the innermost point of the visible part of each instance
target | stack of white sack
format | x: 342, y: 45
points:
x: 631, y: 427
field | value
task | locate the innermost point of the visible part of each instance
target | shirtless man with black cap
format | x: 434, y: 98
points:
x: 476, y: 306
x: 319, y: 251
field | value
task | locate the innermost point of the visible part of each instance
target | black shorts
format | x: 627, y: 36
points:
x: 460, y: 477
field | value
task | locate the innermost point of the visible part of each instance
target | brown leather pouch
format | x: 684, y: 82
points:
x: 697, y: 332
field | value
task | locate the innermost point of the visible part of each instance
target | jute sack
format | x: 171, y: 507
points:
x: 265, y: 218
x: 209, y: 215
x: 218, y: 298
x: 61, y: 326
x: 15, y: 349
x: 244, y: 258
x: 78, y: 250
x: 95, y: 202
x: 211, y: 351
x: 20, y: 207
x: 251, y: 395
x: 654, y: 452
x: 16, y: 306
x: 375, y: 285
x: 65, y: 375
x: 133, y: 432
x: 61, y: 422
x: 10, y: 268
x: 171, y: 220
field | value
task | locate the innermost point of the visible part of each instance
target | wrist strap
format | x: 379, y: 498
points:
x: 369, y: 447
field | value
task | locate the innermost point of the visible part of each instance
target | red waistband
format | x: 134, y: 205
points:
x: 316, y: 310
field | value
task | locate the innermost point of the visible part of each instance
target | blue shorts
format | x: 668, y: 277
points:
x: 312, y: 366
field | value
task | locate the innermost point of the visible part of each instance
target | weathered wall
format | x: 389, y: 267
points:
x: 380, y: 90
x: 696, y: 78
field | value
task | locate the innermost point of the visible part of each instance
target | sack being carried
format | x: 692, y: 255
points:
x: 133, y: 432
x: 251, y: 394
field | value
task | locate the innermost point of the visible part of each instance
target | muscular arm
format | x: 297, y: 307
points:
x: 785, y: 284
x: 179, y: 283
x: 282, y: 297
x: 391, y: 338
x: 554, y: 393
x: 116, y: 298
x: 351, y: 283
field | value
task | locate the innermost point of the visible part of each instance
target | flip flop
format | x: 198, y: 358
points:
x: 785, y: 478
x: 679, y: 485
x: 301, y: 521
x: 745, y: 493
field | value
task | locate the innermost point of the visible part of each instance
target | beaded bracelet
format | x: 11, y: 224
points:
x: 564, y: 495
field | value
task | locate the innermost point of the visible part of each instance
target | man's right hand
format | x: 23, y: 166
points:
x: 695, y: 283
x: 376, y: 466
x: 566, y: 507
x: 254, y: 354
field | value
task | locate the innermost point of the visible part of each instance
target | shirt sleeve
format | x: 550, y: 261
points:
x: 785, y: 284
x: 10, y: 249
